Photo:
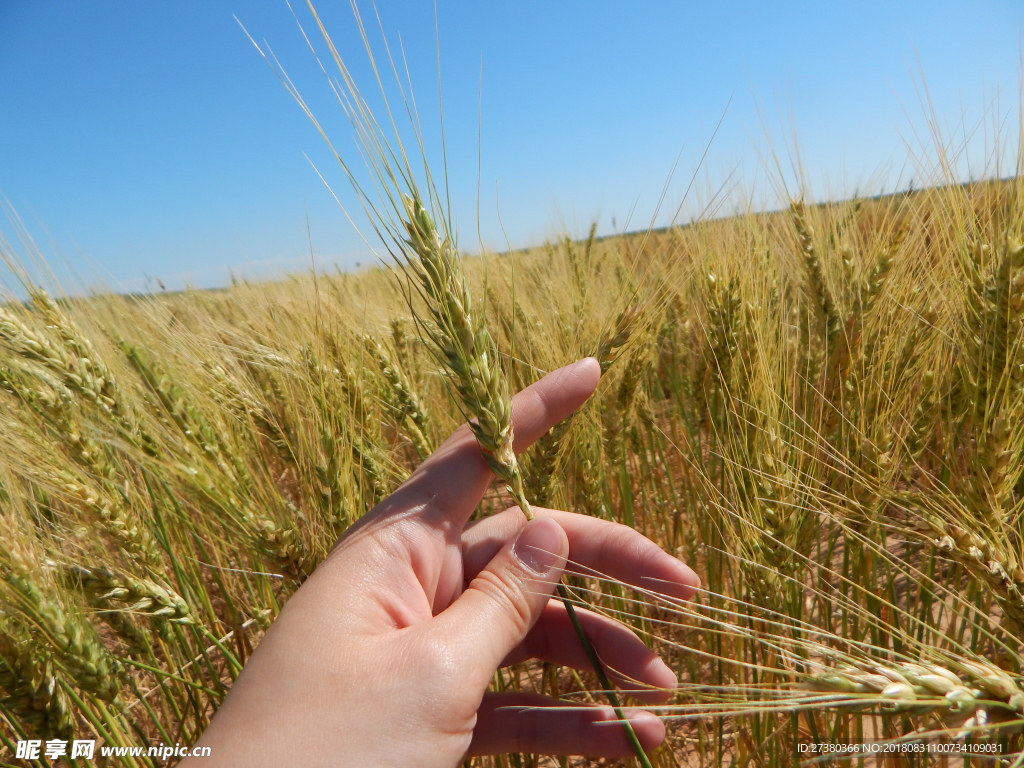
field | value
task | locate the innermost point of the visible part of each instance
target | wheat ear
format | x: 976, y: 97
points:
x: 401, y: 397
x: 978, y: 694
x: 463, y: 345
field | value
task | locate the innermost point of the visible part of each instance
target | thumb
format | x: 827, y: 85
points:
x: 507, y: 597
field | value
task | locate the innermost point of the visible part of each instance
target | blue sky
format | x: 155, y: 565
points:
x: 148, y: 139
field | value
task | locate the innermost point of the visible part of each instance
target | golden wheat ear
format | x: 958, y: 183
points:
x: 462, y: 344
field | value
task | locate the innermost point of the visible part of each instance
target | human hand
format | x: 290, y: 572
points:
x: 384, y: 656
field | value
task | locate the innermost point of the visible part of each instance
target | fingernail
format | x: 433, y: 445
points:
x: 538, y: 545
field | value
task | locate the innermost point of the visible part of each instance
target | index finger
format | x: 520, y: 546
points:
x: 596, y: 547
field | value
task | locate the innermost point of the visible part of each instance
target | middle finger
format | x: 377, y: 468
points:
x: 631, y: 665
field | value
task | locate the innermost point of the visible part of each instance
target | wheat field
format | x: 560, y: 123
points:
x: 820, y: 409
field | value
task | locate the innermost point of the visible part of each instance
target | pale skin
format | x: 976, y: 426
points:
x: 384, y: 656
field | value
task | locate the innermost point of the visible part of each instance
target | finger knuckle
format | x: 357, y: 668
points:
x: 505, y: 591
x: 622, y: 544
